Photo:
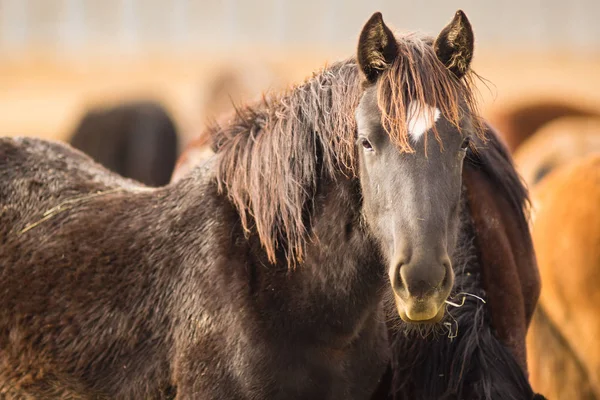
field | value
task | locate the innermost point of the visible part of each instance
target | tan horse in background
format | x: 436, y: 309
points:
x: 518, y: 122
x: 563, y: 341
x: 556, y: 143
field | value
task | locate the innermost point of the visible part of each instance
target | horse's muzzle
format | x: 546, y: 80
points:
x: 421, y: 289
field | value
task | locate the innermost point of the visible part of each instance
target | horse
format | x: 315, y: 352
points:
x: 137, y: 140
x: 564, y: 354
x: 232, y: 85
x: 264, y: 272
x: 517, y: 123
x: 557, y: 143
x: 490, y: 347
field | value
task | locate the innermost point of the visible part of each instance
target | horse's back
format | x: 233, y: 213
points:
x: 72, y: 272
x: 518, y: 122
x: 36, y: 173
x: 196, y: 153
x: 33, y: 158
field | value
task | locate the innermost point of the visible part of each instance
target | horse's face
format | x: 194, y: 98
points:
x: 411, y: 199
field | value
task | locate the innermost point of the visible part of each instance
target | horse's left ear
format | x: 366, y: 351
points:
x: 454, y: 45
x: 377, y: 47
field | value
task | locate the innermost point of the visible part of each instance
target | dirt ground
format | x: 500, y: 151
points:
x: 46, y: 97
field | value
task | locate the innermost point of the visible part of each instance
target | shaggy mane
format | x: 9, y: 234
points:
x: 271, y: 155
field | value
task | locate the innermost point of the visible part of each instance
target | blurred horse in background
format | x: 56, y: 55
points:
x: 137, y: 140
x: 518, y: 122
x: 559, y: 164
x: 563, y: 345
x: 556, y: 143
x: 231, y: 86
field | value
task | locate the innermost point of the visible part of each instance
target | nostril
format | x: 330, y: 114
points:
x: 396, y: 277
x: 448, y: 275
x: 423, y: 278
x: 445, y: 274
x: 445, y: 261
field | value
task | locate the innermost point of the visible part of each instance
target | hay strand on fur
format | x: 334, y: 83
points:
x: 65, y: 206
x: 464, y: 294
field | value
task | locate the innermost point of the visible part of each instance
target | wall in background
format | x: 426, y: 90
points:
x: 57, y: 57
x: 69, y: 27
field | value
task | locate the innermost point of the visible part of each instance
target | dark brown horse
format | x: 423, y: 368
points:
x: 136, y: 140
x: 262, y: 273
x: 499, y: 266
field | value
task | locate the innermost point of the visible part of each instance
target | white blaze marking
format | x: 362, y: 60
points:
x: 419, y: 119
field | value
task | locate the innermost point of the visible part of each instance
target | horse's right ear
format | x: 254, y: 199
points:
x: 377, y: 47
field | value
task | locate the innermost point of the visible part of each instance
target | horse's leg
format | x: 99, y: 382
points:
x: 554, y: 368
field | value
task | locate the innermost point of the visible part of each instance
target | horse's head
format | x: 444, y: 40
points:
x: 411, y: 186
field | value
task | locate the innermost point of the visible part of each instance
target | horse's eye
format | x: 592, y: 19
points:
x: 366, y: 144
x: 465, y: 143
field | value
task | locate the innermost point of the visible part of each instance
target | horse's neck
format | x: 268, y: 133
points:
x: 330, y: 296
x: 341, y: 269
x: 340, y: 241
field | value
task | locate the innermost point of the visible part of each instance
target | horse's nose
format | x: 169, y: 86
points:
x: 421, y: 286
x: 422, y: 278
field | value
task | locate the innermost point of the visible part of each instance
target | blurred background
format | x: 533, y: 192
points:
x: 59, y: 57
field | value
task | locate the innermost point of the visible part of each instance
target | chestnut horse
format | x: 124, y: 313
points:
x: 262, y: 273
x: 136, y: 140
x: 564, y: 351
x: 556, y: 367
x: 518, y: 122
x: 557, y: 143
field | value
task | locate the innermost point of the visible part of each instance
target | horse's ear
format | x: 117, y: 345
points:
x: 377, y: 47
x: 454, y: 45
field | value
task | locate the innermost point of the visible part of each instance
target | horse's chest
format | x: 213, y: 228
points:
x: 307, y: 371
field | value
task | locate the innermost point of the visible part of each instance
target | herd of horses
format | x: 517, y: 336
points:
x: 362, y: 235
